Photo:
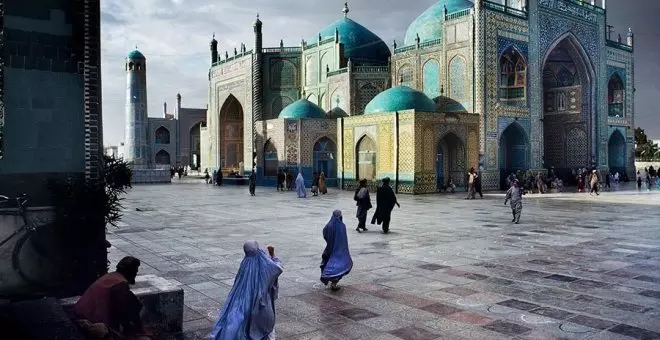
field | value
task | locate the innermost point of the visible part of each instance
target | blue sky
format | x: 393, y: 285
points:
x: 174, y: 36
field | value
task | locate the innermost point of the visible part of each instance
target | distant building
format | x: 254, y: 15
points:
x: 170, y: 140
x: 112, y: 151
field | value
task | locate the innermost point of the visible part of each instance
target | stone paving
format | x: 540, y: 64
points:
x: 577, y: 267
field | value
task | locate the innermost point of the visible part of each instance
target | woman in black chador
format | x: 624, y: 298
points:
x: 363, y: 205
x: 385, y: 202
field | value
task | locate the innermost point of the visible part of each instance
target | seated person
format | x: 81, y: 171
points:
x: 108, y: 309
x: 451, y: 187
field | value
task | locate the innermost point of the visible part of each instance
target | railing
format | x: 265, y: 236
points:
x: 327, y: 40
x: 281, y: 50
x: 339, y: 71
x: 370, y: 69
x: 430, y: 43
x: 459, y: 14
x: 405, y: 48
x: 238, y: 56
x: 505, y: 9
x: 619, y: 45
x: 615, y: 110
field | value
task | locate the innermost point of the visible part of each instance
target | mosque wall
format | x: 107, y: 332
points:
x: 283, y: 78
x: 230, y: 80
x: 366, y: 83
x: 318, y: 60
x: 163, y: 141
x: 621, y: 63
x: 270, y: 133
x: 337, y: 96
x: 311, y: 132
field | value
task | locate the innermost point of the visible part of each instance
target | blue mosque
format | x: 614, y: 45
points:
x: 495, y: 85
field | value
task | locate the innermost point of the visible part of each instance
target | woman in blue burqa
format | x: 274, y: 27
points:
x: 336, y: 260
x: 249, y: 311
x: 300, y: 186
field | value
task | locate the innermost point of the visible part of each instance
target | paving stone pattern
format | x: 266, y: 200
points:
x: 577, y: 267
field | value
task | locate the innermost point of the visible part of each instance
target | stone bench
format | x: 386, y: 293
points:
x: 162, y: 303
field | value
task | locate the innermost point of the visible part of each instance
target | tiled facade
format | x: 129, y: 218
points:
x: 526, y: 120
x: 50, y: 96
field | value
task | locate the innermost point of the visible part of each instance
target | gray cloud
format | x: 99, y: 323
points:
x: 174, y: 36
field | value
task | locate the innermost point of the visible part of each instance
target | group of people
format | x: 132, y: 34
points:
x: 318, y: 184
x: 474, y: 184
x: 650, y: 177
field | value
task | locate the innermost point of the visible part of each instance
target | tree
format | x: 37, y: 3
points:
x: 640, y: 136
x: 644, y: 147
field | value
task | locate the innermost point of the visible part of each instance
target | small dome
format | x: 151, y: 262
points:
x: 302, y: 108
x: 135, y: 54
x: 400, y: 98
x: 359, y: 42
x: 429, y: 24
x: 446, y: 104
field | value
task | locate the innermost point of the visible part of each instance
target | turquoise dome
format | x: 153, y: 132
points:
x: 400, y: 98
x: 302, y: 108
x: 429, y: 24
x: 135, y: 54
x: 359, y: 42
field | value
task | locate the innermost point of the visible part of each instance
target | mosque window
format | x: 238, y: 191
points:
x: 279, y: 103
x: 367, y: 93
x: 366, y: 158
x: 282, y: 74
x: 162, y: 135
x: 513, y: 75
x: 271, y: 163
x: 561, y: 101
x: 615, y: 96
x: 406, y: 76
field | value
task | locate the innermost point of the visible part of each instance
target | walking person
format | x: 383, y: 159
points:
x: 315, y: 184
x: 514, y: 195
x: 477, y: 184
x: 363, y: 203
x: 249, y: 311
x: 471, y: 188
x: 385, y: 202
x: 608, y: 180
x: 207, y: 177
x: 323, y: 189
x: 252, y: 180
x: 300, y: 186
x: 280, y: 180
x: 594, y: 183
x: 639, y: 181
x: 336, y: 259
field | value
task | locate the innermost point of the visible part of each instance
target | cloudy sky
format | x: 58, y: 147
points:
x: 174, y: 36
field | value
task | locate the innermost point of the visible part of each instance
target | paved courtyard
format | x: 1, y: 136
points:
x: 577, y: 267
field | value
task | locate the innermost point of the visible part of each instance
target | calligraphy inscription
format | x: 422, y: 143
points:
x: 571, y: 9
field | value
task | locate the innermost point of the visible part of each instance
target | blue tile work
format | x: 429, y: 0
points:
x: 611, y: 70
x: 2, y: 78
x: 617, y: 148
x: 458, y: 81
x: 43, y: 91
x: 431, y: 75
x: 503, y: 44
x: 504, y: 122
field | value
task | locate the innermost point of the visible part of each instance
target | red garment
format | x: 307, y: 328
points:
x: 110, y: 301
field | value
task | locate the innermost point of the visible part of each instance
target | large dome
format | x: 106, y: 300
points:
x: 359, y: 42
x: 400, y: 98
x: 302, y: 108
x: 429, y: 24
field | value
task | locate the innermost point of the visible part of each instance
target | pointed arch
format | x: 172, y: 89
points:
x: 283, y: 74
x: 514, y: 150
x: 569, y: 115
x: 231, y: 134
x: 324, y: 158
x: 271, y: 160
x: 513, y: 74
x: 431, y: 78
x: 366, y: 158
x: 195, y: 145
x: 450, y: 160
x: 162, y: 158
x: 616, y: 148
x: 458, y: 77
x: 615, y: 95
x: 162, y: 135
x: 405, y: 76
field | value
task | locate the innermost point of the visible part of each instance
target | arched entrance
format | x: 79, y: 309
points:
x: 324, y: 157
x: 366, y: 159
x: 162, y: 158
x: 271, y: 162
x: 617, y: 152
x: 195, y: 146
x: 231, y: 135
x: 568, y: 123
x: 514, y: 151
x: 450, y: 161
x: 162, y: 135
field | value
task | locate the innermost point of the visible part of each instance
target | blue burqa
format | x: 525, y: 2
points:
x: 336, y: 259
x: 300, y: 186
x: 249, y: 311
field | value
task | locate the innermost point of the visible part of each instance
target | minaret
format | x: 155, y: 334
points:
x: 257, y: 90
x: 630, y: 39
x: 136, y: 147
x: 165, y: 110
x: 214, y: 50
x: 178, y: 106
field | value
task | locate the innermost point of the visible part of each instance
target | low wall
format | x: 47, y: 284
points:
x: 643, y: 165
x: 162, y: 303
x: 142, y: 176
x: 11, y: 283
